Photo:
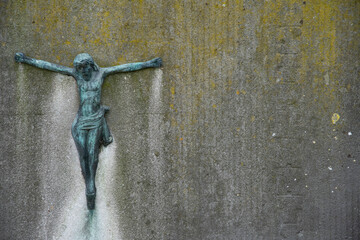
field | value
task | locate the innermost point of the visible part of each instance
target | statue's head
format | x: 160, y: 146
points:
x: 84, y: 64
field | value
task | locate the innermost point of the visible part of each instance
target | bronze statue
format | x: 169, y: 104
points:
x: 89, y: 128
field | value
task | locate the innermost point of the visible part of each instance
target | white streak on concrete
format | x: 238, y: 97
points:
x: 60, y: 166
x: 21, y: 88
x: 155, y: 142
x: 109, y: 226
x: 156, y: 128
x: 77, y: 222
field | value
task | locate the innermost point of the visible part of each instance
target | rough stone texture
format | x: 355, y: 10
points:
x: 232, y: 139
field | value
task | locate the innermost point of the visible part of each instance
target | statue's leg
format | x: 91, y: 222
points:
x: 93, y: 149
x: 80, y: 137
x: 81, y: 141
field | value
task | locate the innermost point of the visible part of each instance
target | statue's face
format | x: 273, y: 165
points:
x: 85, y: 69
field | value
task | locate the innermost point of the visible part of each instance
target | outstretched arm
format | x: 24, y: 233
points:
x: 130, y: 67
x: 21, y: 58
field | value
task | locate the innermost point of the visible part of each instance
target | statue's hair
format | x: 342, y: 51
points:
x: 85, y: 57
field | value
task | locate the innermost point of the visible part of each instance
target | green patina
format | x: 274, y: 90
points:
x: 89, y: 128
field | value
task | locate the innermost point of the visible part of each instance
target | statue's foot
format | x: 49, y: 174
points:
x: 90, y: 199
x: 108, y: 141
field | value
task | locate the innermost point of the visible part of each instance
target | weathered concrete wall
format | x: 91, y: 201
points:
x: 234, y: 138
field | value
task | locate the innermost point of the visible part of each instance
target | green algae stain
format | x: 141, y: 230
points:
x: 319, y: 51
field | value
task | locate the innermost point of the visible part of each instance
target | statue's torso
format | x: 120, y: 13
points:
x: 90, y: 94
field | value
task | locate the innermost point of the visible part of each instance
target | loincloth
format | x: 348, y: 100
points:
x: 93, y: 121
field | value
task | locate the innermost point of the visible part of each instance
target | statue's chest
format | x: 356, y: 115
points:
x: 92, y: 85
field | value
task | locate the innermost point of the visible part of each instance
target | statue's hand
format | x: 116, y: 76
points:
x: 19, y: 57
x: 156, y: 62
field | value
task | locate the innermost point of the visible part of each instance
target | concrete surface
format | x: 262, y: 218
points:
x: 249, y: 131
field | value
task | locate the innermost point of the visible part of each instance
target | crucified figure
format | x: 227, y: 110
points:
x: 89, y: 128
